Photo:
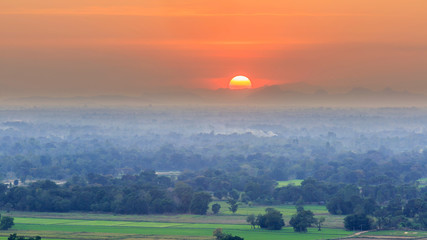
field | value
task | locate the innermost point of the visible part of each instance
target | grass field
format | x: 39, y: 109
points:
x: 67, y: 226
x: 332, y: 221
x: 422, y: 182
x: 78, y: 229
x: 245, y: 210
x: 296, y: 182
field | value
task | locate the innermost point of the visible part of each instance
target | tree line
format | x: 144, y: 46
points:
x: 145, y: 193
x: 148, y: 193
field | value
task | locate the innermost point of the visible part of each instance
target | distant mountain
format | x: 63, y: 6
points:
x: 300, y: 87
x: 274, y: 94
x: 279, y: 94
x: 172, y: 96
x: 359, y: 91
x: 98, y: 98
x: 294, y: 94
x: 384, y: 97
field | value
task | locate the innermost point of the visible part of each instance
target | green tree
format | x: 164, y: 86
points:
x: 260, y: 221
x: 414, y: 207
x: 215, y: 208
x: 14, y: 236
x: 422, y: 220
x: 302, y: 220
x: 272, y: 219
x: 231, y: 237
x: 6, y: 223
x: 233, y: 205
x: 218, y: 234
x: 234, y: 194
x: 184, y: 195
x: 251, y: 220
x: 200, y: 203
x: 382, y: 218
x: 356, y: 222
x: 319, y: 222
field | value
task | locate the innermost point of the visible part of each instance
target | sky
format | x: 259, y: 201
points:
x: 93, y: 47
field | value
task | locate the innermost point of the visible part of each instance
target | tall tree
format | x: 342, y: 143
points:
x: 215, y: 208
x: 358, y: 222
x: 302, y: 220
x: 200, y: 203
x: 251, y: 220
x: 272, y: 219
x: 234, y: 205
x: 319, y: 222
x: 6, y: 223
x: 184, y: 195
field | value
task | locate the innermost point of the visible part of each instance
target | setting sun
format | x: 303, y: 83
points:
x: 240, y: 82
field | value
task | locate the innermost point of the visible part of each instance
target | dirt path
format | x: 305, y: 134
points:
x: 372, y: 237
x: 357, y: 234
x: 379, y: 237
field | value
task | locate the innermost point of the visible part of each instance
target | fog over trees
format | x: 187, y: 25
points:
x: 365, y: 163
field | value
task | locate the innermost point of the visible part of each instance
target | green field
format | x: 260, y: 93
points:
x: 284, y: 209
x: 78, y: 229
x: 63, y: 226
x: 296, y: 182
x: 422, y: 182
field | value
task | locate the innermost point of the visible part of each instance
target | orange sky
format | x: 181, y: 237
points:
x: 81, y: 47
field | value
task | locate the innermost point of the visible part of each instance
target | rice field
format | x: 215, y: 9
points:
x: 112, y: 229
x: 68, y: 226
x: 245, y: 209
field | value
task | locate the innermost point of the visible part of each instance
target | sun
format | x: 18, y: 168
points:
x: 240, y: 82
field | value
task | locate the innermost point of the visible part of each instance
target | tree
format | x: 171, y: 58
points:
x: 234, y: 194
x: 382, y: 217
x: 356, y: 222
x: 272, y: 220
x: 233, y: 205
x: 200, y: 203
x: 302, y: 220
x: 251, y: 220
x: 16, y: 237
x: 231, y: 237
x: 422, y: 220
x: 337, y: 205
x: 260, y: 221
x: 12, y: 236
x: 219, y: 235
x: 414, y: 207
x: 319, y: 222
x: 215, y: 208
x: 6, y: 223
x: 184, y: 194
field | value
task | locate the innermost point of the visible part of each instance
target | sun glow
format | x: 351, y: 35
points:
x: 240, y: 82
